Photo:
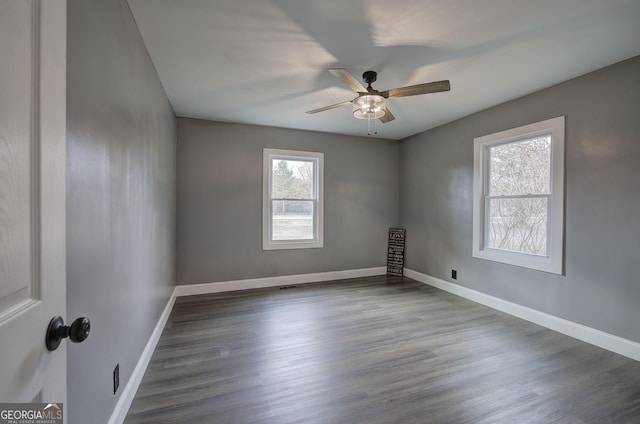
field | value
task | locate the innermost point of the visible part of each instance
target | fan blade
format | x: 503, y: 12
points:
x: 322, y: 109
x: 414, y: 90
x: 387, y: 117
x: 348, y: 79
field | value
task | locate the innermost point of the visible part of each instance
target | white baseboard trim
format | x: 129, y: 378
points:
x: 129, y: 393
x: 590, y: 335
x: 286, y: 280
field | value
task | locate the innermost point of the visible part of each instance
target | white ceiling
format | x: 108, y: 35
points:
x: 265, y: 61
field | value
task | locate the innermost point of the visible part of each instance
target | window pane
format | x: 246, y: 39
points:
x: 518, y: 225
x: 522, y: 167
x: 292, y: 179
x: 292, y: 220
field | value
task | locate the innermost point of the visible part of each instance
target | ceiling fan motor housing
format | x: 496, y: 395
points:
x: 370, y: 77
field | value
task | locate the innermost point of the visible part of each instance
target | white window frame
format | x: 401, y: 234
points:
x: 318, y: 219
x: 553, y: 262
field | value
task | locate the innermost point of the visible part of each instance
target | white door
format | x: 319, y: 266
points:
x: 32, y: 197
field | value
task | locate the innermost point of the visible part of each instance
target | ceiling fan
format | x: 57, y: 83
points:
x: 371, y: 103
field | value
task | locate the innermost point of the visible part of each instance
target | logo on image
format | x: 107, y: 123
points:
x: 31, y: 413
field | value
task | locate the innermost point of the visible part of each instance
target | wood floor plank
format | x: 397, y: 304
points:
x: 374, y: 350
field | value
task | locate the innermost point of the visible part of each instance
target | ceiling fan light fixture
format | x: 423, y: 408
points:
x: 369, y: 106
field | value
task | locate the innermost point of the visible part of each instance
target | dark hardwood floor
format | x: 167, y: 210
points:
x: 377, y: 351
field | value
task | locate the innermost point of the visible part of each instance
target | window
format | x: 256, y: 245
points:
x: 518, y: 196
x: 292, y: 205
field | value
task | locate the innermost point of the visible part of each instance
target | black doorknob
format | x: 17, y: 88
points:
x: 78, y: 331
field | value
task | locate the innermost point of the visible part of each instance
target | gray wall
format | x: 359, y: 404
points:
x: 220, y: 202
x: 120, y: 201
x: 601, y: 288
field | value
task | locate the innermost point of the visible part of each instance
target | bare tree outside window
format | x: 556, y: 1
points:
x: 518, y: 190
